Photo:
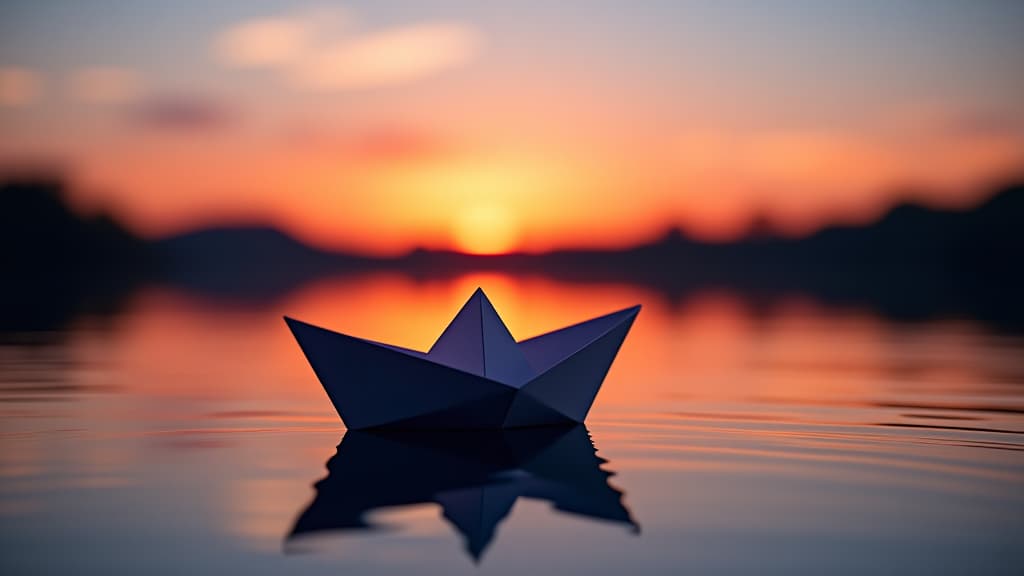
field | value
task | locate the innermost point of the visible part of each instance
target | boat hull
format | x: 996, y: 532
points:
x: 374, y: 385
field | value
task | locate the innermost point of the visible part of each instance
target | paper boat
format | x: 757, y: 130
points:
x: 475, y: 376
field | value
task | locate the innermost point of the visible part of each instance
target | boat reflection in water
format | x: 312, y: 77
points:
x: 476, y: 477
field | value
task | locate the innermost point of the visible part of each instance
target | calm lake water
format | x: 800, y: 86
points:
x: 184, y: 436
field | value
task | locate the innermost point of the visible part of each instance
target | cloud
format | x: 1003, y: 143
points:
x: 181, y: 113
x: 262, y: 43
x: 105, y: 85
x: 316, y: 50
x: 389, y: 57
x: 18, y: 86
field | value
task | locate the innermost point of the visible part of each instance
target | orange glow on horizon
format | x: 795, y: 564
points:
x: 536, y: 198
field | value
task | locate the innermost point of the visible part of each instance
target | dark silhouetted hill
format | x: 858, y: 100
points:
x: 251, y: 262
x: 55, y: 262
x: 915, y: 262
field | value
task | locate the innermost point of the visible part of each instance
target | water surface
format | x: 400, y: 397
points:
x: 188, y: 435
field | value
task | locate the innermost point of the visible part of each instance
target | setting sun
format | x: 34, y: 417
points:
x: 485, y: 229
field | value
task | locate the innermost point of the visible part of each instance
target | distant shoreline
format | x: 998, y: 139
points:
x: 915, y: 262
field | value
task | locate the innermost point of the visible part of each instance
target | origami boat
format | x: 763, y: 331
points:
x: 475, y: 376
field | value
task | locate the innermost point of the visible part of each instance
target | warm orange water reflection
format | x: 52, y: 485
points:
x: 712, y: 348
x: 764, y: 427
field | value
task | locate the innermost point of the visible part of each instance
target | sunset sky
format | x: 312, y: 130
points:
x: 380, y: 126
